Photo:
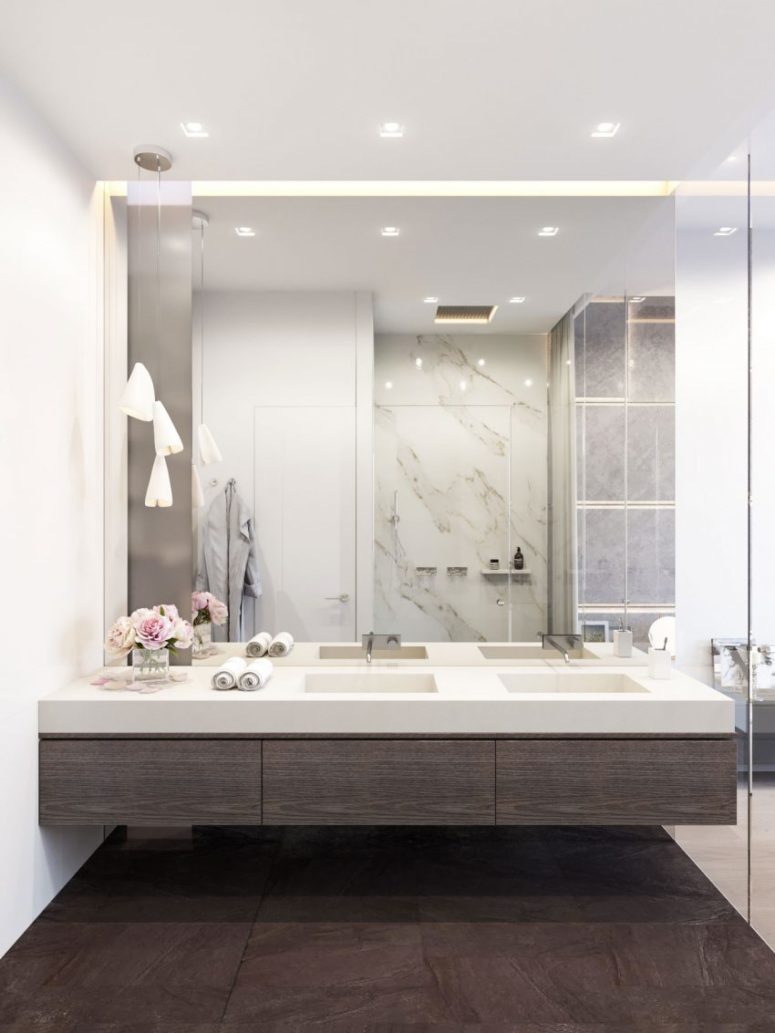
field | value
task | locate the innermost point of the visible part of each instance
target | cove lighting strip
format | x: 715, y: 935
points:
x: 433, y: 188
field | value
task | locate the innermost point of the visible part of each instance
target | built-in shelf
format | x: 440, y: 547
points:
x: 489, y: 572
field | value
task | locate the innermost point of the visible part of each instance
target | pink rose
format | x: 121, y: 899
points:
x: 200, y: 601
x: 183, y: 634
x: 155, y: 631
x: 218, y: 611
x: 167, y: 610
x: 121, y: 638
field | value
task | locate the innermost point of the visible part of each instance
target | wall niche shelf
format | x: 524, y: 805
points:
x: 489, y: 572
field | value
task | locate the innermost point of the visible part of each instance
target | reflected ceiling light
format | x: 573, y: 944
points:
x: 725, y: 231
x: 637, y: 300
x: 431, y: 300
x: 605, y: 130
x: 516, y: 301
x: 463, y: 385
x: 389, y: 385
x: 548, y: 231
x: 138, y: 396
x: 390, y: 231
x: 481, y: 362
x: 528, y: 383
x: 194, y: 130
x: 418, y: 362
x: 391, y: 130
x: 159, y: 491
x: 244, y: 231
x: 166, y: 439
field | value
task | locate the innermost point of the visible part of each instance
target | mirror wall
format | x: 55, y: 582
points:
x: 452, y: 481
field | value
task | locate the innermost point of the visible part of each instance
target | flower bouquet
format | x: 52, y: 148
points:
x: 150, y: 636
x: 207, y: 610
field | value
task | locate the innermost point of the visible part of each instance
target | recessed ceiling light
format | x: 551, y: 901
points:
x: 528, y: 383
x: 548, y: 231
x: 516, y: 301
x: 194, y: 129
x: 637, y: 300
x: 481, y: 362
x: 418, y: 362
x: 463, y: 385
x: 244, y: 231
x: 388, y: 384
x: 430, y: 300
x: 391, y: 130
x: 725, y: 231
x: 605, y: 130
x: 390, y: 231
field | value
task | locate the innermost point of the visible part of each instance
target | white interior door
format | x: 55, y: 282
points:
x: 305, y: 521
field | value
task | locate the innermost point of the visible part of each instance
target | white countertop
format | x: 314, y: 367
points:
x: 467, y: 700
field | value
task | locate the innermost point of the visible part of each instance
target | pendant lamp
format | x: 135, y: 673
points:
x: 208, y: 450
x: 138, y: 396
x: 197, y: 495
x: 166, y: 439
x: 159, y: 491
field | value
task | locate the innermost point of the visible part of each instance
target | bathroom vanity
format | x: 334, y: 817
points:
x: 403, y: 743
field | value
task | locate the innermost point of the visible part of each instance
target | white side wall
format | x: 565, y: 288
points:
x: 51, y: 607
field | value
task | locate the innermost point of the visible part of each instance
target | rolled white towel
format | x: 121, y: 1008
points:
x: 227, y: 674
x: 259, y: 644
x: 281, y: 644
x: 256, y: 675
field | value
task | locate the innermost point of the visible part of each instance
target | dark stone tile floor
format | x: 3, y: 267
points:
x: 531, y: 930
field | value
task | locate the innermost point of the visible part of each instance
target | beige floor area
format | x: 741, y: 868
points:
x: 721, y: 853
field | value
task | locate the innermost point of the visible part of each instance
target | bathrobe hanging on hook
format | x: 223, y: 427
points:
x: 228, y: 564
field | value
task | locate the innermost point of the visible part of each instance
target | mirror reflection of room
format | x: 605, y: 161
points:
x: 435, y: 416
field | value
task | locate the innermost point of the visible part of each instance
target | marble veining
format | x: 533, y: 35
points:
x: 460, y: 445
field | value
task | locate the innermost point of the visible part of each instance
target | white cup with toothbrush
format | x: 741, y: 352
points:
x: 660, y: 662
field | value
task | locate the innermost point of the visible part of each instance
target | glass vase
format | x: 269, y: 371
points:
x: 203, y: 639
x: 150, y: 664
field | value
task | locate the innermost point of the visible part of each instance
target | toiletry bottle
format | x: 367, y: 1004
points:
x: 622, y: 640
x: 519, y: 560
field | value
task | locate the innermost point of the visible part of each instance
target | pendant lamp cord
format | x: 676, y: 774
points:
x: 201, y: 321
x: 158, y: 274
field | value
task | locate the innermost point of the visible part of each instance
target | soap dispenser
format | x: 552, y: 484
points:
x: 519, y: 560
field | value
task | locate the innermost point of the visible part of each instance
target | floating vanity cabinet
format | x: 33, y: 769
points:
x: 379, y: 782
x: 150, y: 781
x: 616, y: 781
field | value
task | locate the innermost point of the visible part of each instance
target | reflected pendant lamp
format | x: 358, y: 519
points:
x: 166, y: 439
x: 208, y: 450
x: 197, y: 495
x: 138, y: 395
x: 159, y: 492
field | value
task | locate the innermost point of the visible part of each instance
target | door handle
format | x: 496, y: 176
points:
x: 343, y: 598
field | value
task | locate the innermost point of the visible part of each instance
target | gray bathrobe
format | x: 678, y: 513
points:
x: 228, y: 565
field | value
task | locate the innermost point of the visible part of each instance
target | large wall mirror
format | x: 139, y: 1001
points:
x: 447, y: 417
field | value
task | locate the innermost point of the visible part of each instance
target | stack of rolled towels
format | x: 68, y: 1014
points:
x: 237, y: 673
x: 264, y: 645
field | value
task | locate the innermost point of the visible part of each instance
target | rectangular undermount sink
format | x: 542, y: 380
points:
x: 359, y: 653
x: 587, y: 681
x: 369, y: 682
x: 529, y: 652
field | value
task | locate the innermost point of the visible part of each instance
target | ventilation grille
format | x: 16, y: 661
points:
x: 464, y: 313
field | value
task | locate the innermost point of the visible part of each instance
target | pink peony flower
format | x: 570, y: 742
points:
x: 200, y: 601
x: 140, y: 615
x: 183, y: 634
x: 167, y: 610
x: 121, y: 638
x: 218, y: 611
x: 155, y: 631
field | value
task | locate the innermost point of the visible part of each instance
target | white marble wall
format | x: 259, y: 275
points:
x: 461, y: 437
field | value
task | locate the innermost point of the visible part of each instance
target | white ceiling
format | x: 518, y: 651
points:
x: 294, y: 89
x: 464, y: 251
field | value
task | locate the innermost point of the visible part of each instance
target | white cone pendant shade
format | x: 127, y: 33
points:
x: 159, y: 491
x: 138, y: 396
x: 197, y: 495
x: 208, y: 450
x: 166, y: 439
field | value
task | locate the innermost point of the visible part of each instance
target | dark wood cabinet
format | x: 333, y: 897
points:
x: 616, y: 782
x: 379, y: 782
x: 150, y: 782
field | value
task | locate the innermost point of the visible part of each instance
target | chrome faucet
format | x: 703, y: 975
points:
x: 372, y: 639
x: 573, y: 643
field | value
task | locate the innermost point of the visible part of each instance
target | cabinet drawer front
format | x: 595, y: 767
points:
x: 359, y: 782
x: 616, y: 782
x: 150, y: 782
